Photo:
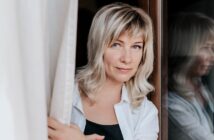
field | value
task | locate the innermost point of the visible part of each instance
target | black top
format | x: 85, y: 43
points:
x: 111, y: 132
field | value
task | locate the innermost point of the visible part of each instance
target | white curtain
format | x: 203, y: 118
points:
x: 61, y: 101
x: 31, y: 44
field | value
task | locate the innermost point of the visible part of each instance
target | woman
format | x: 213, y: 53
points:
x: 110, y: 97
x: 191, y: 57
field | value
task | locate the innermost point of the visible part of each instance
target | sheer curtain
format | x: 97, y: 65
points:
x: 36, y: 59
x: 63, y: 48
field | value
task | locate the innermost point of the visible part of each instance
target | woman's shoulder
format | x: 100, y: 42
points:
x: 146, y: 118
x: 179, y: 103
x: 145, y: 104
x: 175, y: 98
x: 148, y: 103
x: 146, y: 107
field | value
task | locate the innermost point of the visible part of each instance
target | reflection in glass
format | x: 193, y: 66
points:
x: 191, y: 57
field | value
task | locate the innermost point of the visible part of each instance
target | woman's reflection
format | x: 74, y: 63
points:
x: 191, y: 56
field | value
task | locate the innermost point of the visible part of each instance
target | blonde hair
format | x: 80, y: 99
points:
x: 188, y: 33
x: 108, y: 24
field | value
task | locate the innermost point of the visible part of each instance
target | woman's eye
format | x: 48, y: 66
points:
x: 212, y: 48
x: 115, y: 45
x: 137, y: 47
x: 206, y: 48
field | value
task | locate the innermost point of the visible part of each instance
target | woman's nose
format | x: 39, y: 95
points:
x: 212, y: 55
x: 126, y: 56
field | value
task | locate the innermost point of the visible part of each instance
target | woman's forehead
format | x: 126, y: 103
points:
x: 132, y: 34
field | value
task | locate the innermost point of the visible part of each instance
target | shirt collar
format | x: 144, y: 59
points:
x: 124, y: 96
x: 77, y: 102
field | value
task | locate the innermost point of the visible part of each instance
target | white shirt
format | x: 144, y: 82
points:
x: 139, y: 123
x: 187, y: 120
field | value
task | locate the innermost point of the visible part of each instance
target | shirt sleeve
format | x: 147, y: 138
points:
x: 186, y: 121
x: 147, y: 125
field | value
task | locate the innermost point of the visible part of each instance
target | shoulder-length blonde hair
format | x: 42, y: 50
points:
x: 188, y: 33
x: 108, y: 24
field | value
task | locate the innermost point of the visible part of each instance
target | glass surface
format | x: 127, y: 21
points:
x: 190, y: 74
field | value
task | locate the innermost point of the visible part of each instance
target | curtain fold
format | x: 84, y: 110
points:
x: 22, y: 57
x: 36, y: 59
x: 61, y: 99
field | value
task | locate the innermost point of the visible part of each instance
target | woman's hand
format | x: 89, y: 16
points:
x: 59, y: 131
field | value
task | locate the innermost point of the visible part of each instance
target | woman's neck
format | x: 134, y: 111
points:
x: 196, y: 85
x: 109, y: 92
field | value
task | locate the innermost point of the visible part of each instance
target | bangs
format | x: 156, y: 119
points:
x: 210, y: 36
x: 135, y: 31
x: 135, y: 26
x: 207, y: 36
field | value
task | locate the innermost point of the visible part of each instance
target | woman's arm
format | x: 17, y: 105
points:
x: 59, y: 131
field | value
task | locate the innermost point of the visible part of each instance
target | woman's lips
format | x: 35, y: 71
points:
x: 124, y: 70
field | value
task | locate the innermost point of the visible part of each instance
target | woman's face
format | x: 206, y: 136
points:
x: 204, y: 60
x: 122, y: 58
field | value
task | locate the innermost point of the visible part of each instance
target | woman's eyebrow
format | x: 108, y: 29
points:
x: 120, y: 41
x: 140, y: 42
x: 137, y: 42
x: 208, y: 45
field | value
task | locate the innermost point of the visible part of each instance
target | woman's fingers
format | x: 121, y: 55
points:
x: 52, y: 123
x: 51, y: 132
x: 55, y: 134
x: 54, y: 129
x: 94, y: 137
x: 57, y: 130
